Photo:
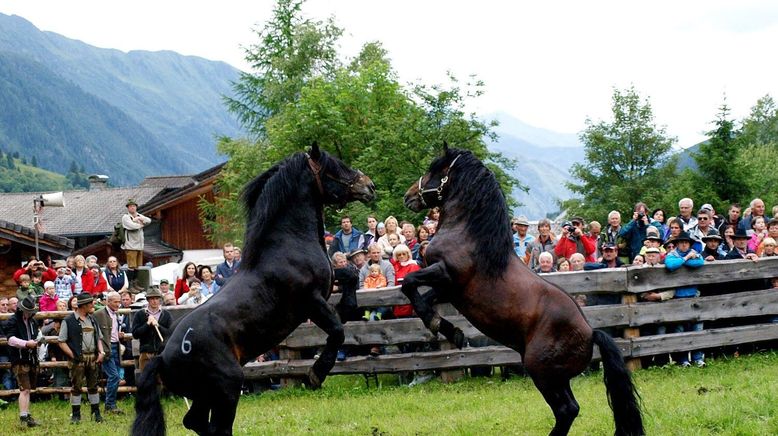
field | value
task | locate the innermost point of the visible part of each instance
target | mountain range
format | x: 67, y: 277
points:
x: 136, y: 114
x: 128, y: 115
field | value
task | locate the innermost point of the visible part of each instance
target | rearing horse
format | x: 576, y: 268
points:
x: 285, y: 278
x: 472, y: 265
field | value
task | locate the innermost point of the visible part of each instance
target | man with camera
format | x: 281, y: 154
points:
x: 572, y: 240
x: 634, y: 233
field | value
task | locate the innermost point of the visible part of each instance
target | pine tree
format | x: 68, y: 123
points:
x: 34, y: 161
x: 717, y: 156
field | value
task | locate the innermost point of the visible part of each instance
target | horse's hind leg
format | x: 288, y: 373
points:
x: 323, y: 315
x: 560, y: 398
x: 196, y: 419
x: 436, y: 277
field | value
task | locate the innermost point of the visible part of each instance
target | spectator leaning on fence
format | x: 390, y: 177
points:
x: 772, y: 232
x: 684, y: 255
x: 653, y: 260
x: 546, y: 263
x: 22, y: 331
x: 740, y: 250
x: 609, y: 259
x: 148, y: 325
x: 713, y: 248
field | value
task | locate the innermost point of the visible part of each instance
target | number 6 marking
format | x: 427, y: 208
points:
x: 186, y: 346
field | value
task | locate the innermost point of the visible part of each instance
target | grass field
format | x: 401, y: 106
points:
x: 729, y: 397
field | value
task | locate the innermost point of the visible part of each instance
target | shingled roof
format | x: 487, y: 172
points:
x: 25, y: 235
x: 85, y: 213
x: 169, y: 182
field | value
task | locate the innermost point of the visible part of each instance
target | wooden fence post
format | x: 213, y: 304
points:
x: 451, y: 375
x: 289, y: 354
x: 631, y: 332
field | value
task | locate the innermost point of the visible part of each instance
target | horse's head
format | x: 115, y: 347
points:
x: 430, y: 190
x: 337, y: 182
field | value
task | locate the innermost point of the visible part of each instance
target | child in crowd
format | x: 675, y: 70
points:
x: 37, y: 282
x: 65, y: 281
x: 768, y: 247
x: 375, y: 279
x: 394, y: 240
x: 25, y: 288
x: 48, y: 301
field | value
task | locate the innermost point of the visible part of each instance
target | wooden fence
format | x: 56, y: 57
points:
x: 749, y: 308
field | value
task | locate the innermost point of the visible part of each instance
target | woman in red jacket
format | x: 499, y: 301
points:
x: 182, y: 287
x: 94, y: 282
x: 403, y: 265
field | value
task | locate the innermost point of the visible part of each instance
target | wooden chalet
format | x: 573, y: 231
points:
x: 17, y: 244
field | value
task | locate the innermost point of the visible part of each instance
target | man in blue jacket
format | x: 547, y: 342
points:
x: 684, y: 255
x: 347, y: 239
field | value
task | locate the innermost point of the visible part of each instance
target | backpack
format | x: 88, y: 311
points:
x: 119, y: 235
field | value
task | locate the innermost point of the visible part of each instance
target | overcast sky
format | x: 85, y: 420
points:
x: 550, y: 64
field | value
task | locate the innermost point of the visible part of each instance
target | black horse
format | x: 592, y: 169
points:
x: 472, y: 265
x: 285, y: 278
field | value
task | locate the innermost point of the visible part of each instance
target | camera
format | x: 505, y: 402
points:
x: 570, y: 228
x: 641, y: 215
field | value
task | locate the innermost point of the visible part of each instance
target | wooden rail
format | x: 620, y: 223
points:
x: 750, y: 307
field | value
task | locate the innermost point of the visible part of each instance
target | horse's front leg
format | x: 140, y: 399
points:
x: 324, y: 316
x: 436, y: 277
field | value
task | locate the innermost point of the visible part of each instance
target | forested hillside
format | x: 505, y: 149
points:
x: 126, y: 115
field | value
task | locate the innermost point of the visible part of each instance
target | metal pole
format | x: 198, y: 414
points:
x: 35, y: 222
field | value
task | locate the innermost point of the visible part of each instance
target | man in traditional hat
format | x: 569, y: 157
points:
x: 22, y: 331
x: 740, y: 250
x: 713, y: 250
x: 684, y: 255
x: 80, y: 340
x: 358, y: 258
x: 150, y: 326
x: 521, y: 239
x: 110, y: 323
x: 133, y: 224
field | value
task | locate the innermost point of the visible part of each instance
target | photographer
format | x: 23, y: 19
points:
x: 572, y: 240
x: 35, y: 265
x: 634, y: 233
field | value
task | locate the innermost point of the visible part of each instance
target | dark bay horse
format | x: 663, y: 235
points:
x: 285, y: 277
x: 471, y: 263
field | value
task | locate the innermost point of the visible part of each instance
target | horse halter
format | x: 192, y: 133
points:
x: 439, y: 189
x: 316, y: 170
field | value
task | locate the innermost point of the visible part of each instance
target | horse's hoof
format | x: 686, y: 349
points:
x: 435, y: 324
x: 459, y: 338
x: 312, y: 381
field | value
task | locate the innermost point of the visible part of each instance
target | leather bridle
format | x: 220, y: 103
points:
x: 439, y: 189
x: 316, y: 170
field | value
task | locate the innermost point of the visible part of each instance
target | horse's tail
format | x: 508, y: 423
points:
x: 622, y: 395
x: 149, y: 416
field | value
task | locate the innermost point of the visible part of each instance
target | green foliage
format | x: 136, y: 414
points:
x: 761, y: 126
x: 15, y: 176
x: 717, y: 164
x: 758, y: 162
x: 291, y: 52
x: 359, y: 112
x: 627, y: 160
x: 224, y: 218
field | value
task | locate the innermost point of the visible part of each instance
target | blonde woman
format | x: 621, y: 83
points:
x: 391, y: 226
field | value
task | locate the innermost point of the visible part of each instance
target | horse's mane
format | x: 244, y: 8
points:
x: 266, y: 196
x: 486, y: 210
